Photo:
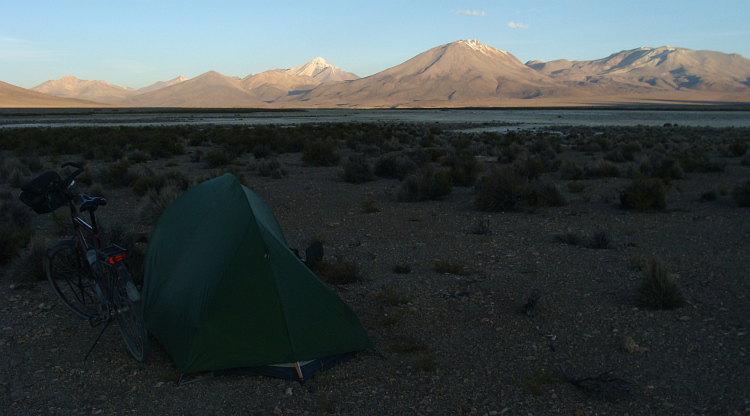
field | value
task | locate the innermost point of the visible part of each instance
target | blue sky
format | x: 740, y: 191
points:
x: 136, y: 43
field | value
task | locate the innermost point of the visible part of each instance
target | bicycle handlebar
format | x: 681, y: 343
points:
x: 69, y: 180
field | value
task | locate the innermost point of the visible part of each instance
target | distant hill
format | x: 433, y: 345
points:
x: 648, y: 69
x: 321, y: 71
x: 459, y: 73
x: 464, y: 73
x: 161, y: 84
x: 72, y: 87
x: 12, y: 96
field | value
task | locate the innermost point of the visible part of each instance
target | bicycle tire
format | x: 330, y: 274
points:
x: 70, y: 277
x: 128, y: 312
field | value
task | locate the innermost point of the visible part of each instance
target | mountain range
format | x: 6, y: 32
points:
x: 457, y: 74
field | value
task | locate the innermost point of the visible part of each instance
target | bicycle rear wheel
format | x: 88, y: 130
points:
x: 71, y: 279
x: 128, y: 312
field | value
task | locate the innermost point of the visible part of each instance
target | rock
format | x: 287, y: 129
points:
x: 631, y: 347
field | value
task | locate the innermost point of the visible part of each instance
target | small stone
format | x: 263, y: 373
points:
x: 288, y: 391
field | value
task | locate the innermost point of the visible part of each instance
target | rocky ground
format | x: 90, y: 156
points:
x: 458, y: 339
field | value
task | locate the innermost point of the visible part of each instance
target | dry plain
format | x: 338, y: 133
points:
x: 442, y: 287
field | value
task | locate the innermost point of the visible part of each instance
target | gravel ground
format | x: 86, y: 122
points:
x: 451, y: 343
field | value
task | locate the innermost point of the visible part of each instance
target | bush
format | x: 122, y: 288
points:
x: 501, y: 190
x: 464, y: 169
x: 154, y: 204
x: 357, y: 170
x: 547, y: 194
x: 338, y: 271
x: 741, y: 193
x: 217, y: 158
x: 425, y: 185
x: 571, y: 171
x: 272, y: 168
x: 392, y: 295
x: 394, y: 166
x: 658, y: 290
x: 604, y: 169
x: 644, y: 195
x: 15, y: 230
x: 320, y: 153
x: 600, y: 240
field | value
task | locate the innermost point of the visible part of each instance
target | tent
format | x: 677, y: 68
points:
x: 224, y: 293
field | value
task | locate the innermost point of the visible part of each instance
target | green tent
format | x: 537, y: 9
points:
x: 224, y: 293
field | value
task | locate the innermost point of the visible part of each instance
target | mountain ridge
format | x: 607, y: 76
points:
x: 460, y: 73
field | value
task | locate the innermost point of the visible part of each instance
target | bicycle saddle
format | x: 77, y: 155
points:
x: 89, y: 203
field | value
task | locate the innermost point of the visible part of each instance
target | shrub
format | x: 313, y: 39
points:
x: 600, y: 240
x: 119, y: 174
x: 338, y: 271
x: 741, y: 193
x: 392, y: 295
x: 444, y: 266
x: 644, y: 195
x: 604, y: 169
x: 394, y: 166
x: 464, y: 169
x: 154, y: 204
x: 658, y: 290
x: 501, y: 190
x: 571, y: 171
x: 144, y: 183
x: 357, y: 170
x: 546, y: 194
x: 482, y: 227
x: 30, y: 266
x: 272, y: 168
x: 425, y: 185
x: 368, y: 207
x: 15, y: 230
x: 217, y: 158
x: 568, y: 237
x: 320, y: 153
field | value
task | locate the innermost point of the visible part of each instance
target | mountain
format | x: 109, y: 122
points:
x: 12, y: 96
x: 321, y: 70
x: 72, y: 87
x: 161, y: 84
x: 211, y: 89
x: 648, y: 69
x: 271, y: 85
x: 464, y: 72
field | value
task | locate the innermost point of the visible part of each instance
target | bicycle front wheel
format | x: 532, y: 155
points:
x: 71, y: 279
x: 128, y: 313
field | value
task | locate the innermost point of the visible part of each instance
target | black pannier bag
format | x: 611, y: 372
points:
x: 40, y: 194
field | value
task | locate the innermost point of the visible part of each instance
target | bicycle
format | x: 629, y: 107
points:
x: 90, y: 279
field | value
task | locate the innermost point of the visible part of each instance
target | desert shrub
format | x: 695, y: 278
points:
x: 357, y: 170
x: 444, y: 266
x: 15, y: 230
x: 571, y: 170
x: 262, y: 151
x: 337, y: 271
x: 708, y: 196
x: 14, y: 172
x: 568, y: 237
x: 217, y: 158
x: 321, y: 153
x: 409, y: 345
x: 482, y: 227
x: 658, y: 289
x: 644, y: 194
x: 576, y: 187
x: 531, y: 167
x: 272, y: 168
x: 425, y: 185
x: 664, y: 168
x: 464, y: 169
x: 155, y: 202
x: 501, y: 190
x: 603, y: 169
x: 368, y: 207
x: 29, y: 267
x: 146, y: 182
x: 741, y: 193
x: 599, y: 240
x: 118, y: 174
x: 392, y: 295
x: 546, y: 194
x: 394, y: 166
x: 737, y: 148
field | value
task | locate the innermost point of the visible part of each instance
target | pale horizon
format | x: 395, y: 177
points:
x: 137, y: 44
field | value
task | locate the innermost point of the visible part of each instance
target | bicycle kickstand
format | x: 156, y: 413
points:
x: 98, y: 337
